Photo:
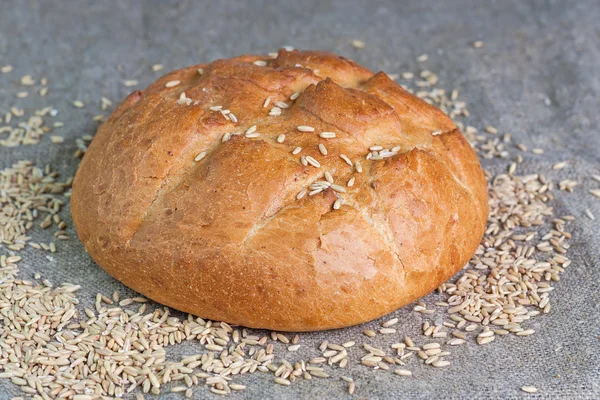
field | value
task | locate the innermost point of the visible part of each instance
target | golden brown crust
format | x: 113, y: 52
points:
x: 225, y: 237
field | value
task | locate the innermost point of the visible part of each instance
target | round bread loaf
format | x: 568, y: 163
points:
x: 295, y: 193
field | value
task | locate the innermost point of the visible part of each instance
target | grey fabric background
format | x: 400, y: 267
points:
x: 533, y: 50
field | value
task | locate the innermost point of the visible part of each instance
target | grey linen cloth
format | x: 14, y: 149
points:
x: 534, y: 50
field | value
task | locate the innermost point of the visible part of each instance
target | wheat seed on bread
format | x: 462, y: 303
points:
x: 211, y: 192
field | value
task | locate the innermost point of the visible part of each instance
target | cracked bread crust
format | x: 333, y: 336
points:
x: 225, y: 238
